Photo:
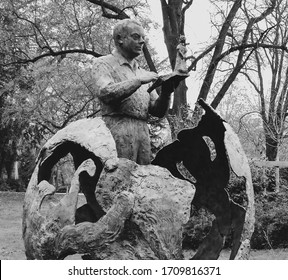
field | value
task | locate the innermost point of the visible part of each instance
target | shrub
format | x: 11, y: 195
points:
x: 271, y: 216
x: 11, y: 185
x: 271, y: 226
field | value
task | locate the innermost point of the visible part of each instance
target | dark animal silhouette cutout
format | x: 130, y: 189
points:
x: 212, y: 177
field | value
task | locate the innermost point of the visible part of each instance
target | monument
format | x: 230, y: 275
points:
x: 136, y: 211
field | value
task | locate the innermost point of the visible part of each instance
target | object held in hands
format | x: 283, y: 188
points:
x: 173, y: 78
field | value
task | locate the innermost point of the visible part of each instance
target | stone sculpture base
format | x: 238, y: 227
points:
x: 133, y: 211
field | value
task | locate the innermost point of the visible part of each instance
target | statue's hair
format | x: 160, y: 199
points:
x: 121, y: 29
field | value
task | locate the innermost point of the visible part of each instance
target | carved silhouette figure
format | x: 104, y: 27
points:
x: 212, y: 178
x: 180, y: 64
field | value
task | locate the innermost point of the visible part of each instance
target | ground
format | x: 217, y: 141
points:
x: 12, y: 247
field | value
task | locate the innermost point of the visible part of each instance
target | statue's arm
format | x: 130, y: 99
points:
x: 107, y: 89
x: 159, y: 105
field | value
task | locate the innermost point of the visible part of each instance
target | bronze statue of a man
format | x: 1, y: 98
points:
x: 121, y: 86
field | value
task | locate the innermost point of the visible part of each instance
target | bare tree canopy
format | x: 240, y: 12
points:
x: 47, y: 48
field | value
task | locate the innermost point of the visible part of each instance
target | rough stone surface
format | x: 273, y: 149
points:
x: 92, y: 134
x: 143, y: 208
x: 161, y: 208
x: 244, y: 222
x: 135, y: 211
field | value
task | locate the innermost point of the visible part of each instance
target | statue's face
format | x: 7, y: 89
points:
x: 133, y: 41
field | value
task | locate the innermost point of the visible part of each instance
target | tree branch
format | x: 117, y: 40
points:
x: 217, y: 51
x: 35, y: 27
x: 118, y: 13
x: 78, y: 25
x: 183, y: 11
x: 242, y: 117
x: 252, y: 45
x: 53, y: 54
x: 205, y: 52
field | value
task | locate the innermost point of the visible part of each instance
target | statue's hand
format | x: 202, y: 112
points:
x: 147, y: 77
x: 170, y: 85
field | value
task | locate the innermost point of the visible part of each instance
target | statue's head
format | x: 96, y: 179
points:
x: 129, y: 38
x: 182, y: 39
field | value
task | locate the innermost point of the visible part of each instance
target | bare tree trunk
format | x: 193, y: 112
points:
x: 173, y: 13
x: 277, y: 177
x: 180, y: 98
x: 271, y: 147
x: 15, y: 171
x: 218, y: 50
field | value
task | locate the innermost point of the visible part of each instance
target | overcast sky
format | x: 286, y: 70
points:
x: 197, y: 24
x: 197, y: 31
